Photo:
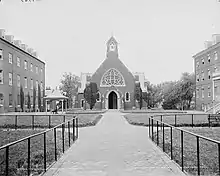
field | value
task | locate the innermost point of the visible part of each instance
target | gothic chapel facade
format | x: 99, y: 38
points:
x: 116, y: 84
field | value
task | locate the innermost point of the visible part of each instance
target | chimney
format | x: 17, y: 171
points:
x: 24, y: 47
x: 215, y: 38
x: 9, y: 38
x: 35, y: 54
x: 17, y: 43
x: 2, y: 33
x: 208, y: 44
x: 30, y: 50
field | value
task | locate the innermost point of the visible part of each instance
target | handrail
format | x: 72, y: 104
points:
x: 33, y: 135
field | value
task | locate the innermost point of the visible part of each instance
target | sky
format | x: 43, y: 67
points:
x: 156, y: 37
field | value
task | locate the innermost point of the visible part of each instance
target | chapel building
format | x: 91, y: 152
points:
x: 116, y: 84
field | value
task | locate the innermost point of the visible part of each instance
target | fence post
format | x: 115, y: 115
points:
x: 49, y: 121
x: 77, y: 127
x: 6, y: 161
x: 182, y: 149
x: 163, y: 139
x: 63, y: 137
x: 29, y: 158
x: 161, y: 119
x: 198, y: 162
x: 64, y: 118
x: 73, y: 129
x: 149, y: 127
x: 157, y: 134
x: 55, y: 144
x: 33, y: 122
x: 219, y: 158
x: 16, y: 122
x: 69, y: 132
x: 192, y: 120
x: 209, y: 120
x: 175, y: 120
x: 171, y: 143
x: 45, y: 153
x: 152, y: 128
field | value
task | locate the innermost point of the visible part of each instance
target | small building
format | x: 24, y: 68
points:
x: 20, y: 66
x: 116, y: 83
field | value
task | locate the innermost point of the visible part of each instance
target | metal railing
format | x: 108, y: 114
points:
x: 71, y: 126
x: 162, y: 134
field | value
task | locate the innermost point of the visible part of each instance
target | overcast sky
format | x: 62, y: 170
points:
x: 157, y: 37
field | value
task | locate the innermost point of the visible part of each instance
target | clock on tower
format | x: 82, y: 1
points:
x: 112, y: 46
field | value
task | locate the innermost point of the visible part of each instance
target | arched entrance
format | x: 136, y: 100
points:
x: 112, y: 101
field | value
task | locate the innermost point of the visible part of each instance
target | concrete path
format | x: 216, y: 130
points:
x: 114, y: 148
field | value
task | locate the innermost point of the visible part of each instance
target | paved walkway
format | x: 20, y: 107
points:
x: 114, y: 148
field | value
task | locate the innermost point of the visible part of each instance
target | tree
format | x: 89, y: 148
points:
x: 138, y: 94
x: 39, y: 97
x: 90, y: 94
x: 70, y: 84
x: 34, y: 98
x: 22, y: 98
x: 28, y: 101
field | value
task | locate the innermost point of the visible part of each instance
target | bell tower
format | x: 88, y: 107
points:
x: 112, y: 48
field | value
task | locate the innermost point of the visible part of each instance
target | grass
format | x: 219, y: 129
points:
x: 181, y: 119
x: 42, y: 121
x: 18, y: 152
x: 208, y: 150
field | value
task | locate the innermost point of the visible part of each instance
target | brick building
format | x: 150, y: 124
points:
x: 207, y: 67
x: 115, y: 82
x: 19, y: 67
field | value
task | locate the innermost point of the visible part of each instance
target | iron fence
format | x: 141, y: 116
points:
x: 175, y: 142
x: 62, y: 135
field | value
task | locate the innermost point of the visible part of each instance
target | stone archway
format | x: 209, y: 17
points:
x: 112, y: 101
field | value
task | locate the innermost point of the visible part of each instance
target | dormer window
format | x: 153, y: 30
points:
x: 203, y: 61
x: 216, y: 55
x: 209, y: 58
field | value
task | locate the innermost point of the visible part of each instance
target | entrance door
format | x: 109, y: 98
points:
x: 112, y: 100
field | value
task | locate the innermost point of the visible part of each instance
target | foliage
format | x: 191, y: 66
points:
x: 90, y: 94
x: 34, y: 98
x: 28, y: 101
x: 138, y: 94
x: 39, y: 97
x: 69, y: 85
x: 22, y: 98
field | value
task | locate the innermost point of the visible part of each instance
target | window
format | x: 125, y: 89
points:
x: 197, y: 77
x: 10, y: 99
x: 1, y: 76
x: 82, y: 103
x: 98, y: 97
x: 10, y: 79
x: 202, y: 92
x: 18, y: 100
x: 18, y: 62
x: 32, y: 83
x: 112, y: 77
x: 25, y: 65
x: 203, y: 61
x: 31, y: 67
x: 36, y: 86
x: 37, y: 69
x: 197, y: 64
x: 209, y: 74
x: 10, y: 58
x: 41, y: 86
x: 209, y: 91
x: 215, y: 55
x: 127, y: 96
x: 18, y: 80
x: 197, y: 93
x: 209, y: 58
x: 26, y: 100
x: 1, y: 54
x: 1, y: 99
x: 203, y: 76
x: 25, y: 82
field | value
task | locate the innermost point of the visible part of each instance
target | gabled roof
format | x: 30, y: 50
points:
x: 112, y: 39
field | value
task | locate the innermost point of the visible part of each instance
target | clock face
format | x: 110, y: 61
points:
x: 112, y: 46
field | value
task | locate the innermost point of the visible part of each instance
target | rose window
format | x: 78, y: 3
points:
x: 112, y: 77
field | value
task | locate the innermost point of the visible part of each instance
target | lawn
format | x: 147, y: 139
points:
x: 181, y: 119
x: 208, y: 150
x: 42, y: 121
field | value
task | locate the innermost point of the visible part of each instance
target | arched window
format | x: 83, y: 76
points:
x: 112, y: 77
x: 98, y: 97
x: 127, y: 96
